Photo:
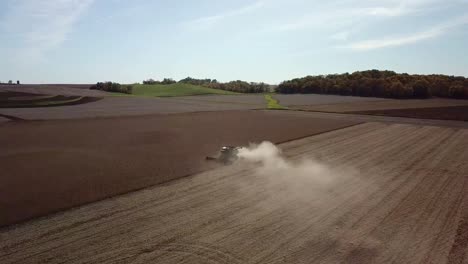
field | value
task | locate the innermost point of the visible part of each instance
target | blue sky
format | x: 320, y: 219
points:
x: 85, y: 41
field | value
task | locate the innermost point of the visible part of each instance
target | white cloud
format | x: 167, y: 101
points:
x: 388, y: 11
x: 338, y: 20
x: 341, y: 16
x: 209, y: 21
x: 344, y: 14
x: 42, y: 26
x: 319, y: 20
x: 410, y: 39
x: 398, y: 41
x: 343, y: 35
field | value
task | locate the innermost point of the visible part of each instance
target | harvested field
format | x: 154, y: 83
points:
x: 399, y: 195
x: 321, y: 99
x: 443, y: 113
x: 380, y: 104
x: 10, y: 95
x: 55, y: 89
x: 52, y: 165
x: 253, y: 100
x: 382, y: 119
x: 127, y: 106
x: 10, y: 99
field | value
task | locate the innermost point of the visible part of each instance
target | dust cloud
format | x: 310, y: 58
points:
x: 274, y: 164
x: 306, y: 179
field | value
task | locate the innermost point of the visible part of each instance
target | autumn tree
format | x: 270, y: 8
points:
x: 421, y: 89
x: 379, y: 84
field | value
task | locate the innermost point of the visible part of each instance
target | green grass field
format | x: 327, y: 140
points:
x: 176, y: 89
x: 272, y: 103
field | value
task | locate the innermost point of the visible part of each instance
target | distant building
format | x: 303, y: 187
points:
x: 10, y: 82
x: 17, y: 82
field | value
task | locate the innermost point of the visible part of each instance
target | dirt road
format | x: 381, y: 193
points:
x: 399, y: 194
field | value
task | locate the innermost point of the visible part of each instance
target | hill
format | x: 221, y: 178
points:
x: 176, y: 89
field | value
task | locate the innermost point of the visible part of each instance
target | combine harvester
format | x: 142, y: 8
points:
x: 227, y: 155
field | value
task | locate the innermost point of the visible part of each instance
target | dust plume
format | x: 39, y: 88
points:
x: 303, y: 179
x: 274, y: 164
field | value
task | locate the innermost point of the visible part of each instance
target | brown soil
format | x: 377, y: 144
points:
x: 66, y: 86
x: 53, y: 165
x: 443, y: 113
x: 131, y: 106
x: 321, y: 99
x: 9, y: 99
x: 383, y: 104
x: 55, y: 89
x: 253, y: 100
x: 6, y: 95
x: 400, y: 195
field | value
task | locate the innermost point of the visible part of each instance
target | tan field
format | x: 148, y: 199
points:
x: 381, y: 104
x: 393, y: 193
x: 434, y: 108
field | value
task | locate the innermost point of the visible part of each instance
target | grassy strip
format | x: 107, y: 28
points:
x: 176, y: 89
x: 272, y: 103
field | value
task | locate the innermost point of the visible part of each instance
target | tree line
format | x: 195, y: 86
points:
x: 112, y: 87
x: 375, y: 83
x: 164, y: 81
x: 233, y: 86
x: 10, y: 82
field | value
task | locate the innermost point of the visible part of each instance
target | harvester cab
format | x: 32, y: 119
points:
x: 226, y: 155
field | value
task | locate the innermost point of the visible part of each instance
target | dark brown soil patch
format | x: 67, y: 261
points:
x: 52, y: 165
x: 459, y: 113
x: 58, y: 85
x: 5, y: 95
x: 398, y: 197
x: 35, y: 100
x: 13, y: 118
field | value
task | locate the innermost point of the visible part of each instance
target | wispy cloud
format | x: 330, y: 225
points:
x: 343, y: 35
x: 325, y: 18
x: 41, y: 26
x: 397, y: 41
x: 122, y: 14
x: 209, y: 21
x: 395, y: 8
x: 410, y: 39
x: 399, y: 10
x: 347, y: 13
x: 343, y: 16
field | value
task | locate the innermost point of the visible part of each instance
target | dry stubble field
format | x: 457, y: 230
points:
x: 53, y: 165
x: 433, y: 108
x: 399, y: 194
x: 393, y: 192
